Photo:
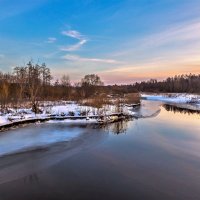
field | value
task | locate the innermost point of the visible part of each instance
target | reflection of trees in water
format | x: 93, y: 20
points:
x: 116, y: 127
x: 32, y: 178
x: 176, y: 109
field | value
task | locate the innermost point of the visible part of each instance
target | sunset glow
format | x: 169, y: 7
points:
x: 122, y: 41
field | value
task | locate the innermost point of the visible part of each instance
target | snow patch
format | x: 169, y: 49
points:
x: 176, y: 98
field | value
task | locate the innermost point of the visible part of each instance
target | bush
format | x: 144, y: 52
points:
x: 71, y: 113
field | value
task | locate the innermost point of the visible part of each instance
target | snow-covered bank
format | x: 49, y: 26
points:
x: 4, y: 120
x: 67, y: 111
x: 188, y: 101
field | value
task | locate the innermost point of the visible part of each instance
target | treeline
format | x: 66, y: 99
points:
x: 179, y: 84
x: 34, y: 83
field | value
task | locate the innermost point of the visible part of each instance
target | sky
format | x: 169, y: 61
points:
x: 122, y: 41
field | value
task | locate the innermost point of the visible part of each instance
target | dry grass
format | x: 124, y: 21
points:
x: 100, y: 100
x: 97, y: 102
x: 132, y: 98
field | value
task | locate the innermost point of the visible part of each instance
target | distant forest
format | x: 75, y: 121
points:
x: 34, y: 83
x: 183, y: 83
x: 177, y: 84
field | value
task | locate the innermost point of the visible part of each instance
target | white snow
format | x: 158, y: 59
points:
x: 3, y: 120
x: 174, y: 98
x: 59, y: 109
x: 79, y: 121
x: 189, y: 101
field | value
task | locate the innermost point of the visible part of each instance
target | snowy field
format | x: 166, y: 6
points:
x: 60, y: 110
x: 182, y: 100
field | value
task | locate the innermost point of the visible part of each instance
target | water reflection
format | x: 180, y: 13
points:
x: 32, y: 179
x: 119, y: 127
x: 175, y: 109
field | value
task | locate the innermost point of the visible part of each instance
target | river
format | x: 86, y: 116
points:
x: 156, y: 157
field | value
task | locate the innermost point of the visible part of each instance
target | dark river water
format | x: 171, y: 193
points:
x: 156, y: 157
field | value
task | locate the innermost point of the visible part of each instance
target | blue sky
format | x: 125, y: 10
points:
x: 122, y: 41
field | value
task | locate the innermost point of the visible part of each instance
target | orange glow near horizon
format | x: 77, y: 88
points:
x: 131, y: 75
x: 159, y: 69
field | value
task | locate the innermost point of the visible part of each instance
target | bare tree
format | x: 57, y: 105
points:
x: 34, y: 84
x: 4, y: 90
x: 20, y: 78
x: 90, y: 84
x: 66, y: 86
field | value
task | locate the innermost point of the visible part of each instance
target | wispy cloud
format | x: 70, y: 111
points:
x: 51, y: 40
x: 177, y: 33
x: 50, y: 55
x: 84, y: 59
x: 76, y: 35
x: 73, y: 34
x: 74, y: 47
x: 174, y: 37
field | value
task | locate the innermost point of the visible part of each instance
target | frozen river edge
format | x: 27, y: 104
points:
x: 184, y: 101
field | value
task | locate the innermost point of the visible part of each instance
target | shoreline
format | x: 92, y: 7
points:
x: 182, y: 100
x: 87, y: 120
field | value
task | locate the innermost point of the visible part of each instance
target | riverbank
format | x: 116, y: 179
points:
x: 72, y: 112
x: 182, y: 100
x: 68, y: 112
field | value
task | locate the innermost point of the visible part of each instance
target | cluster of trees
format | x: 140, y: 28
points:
x: 25, y: 83
x: 33, y: 83
x: 183, y: 83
